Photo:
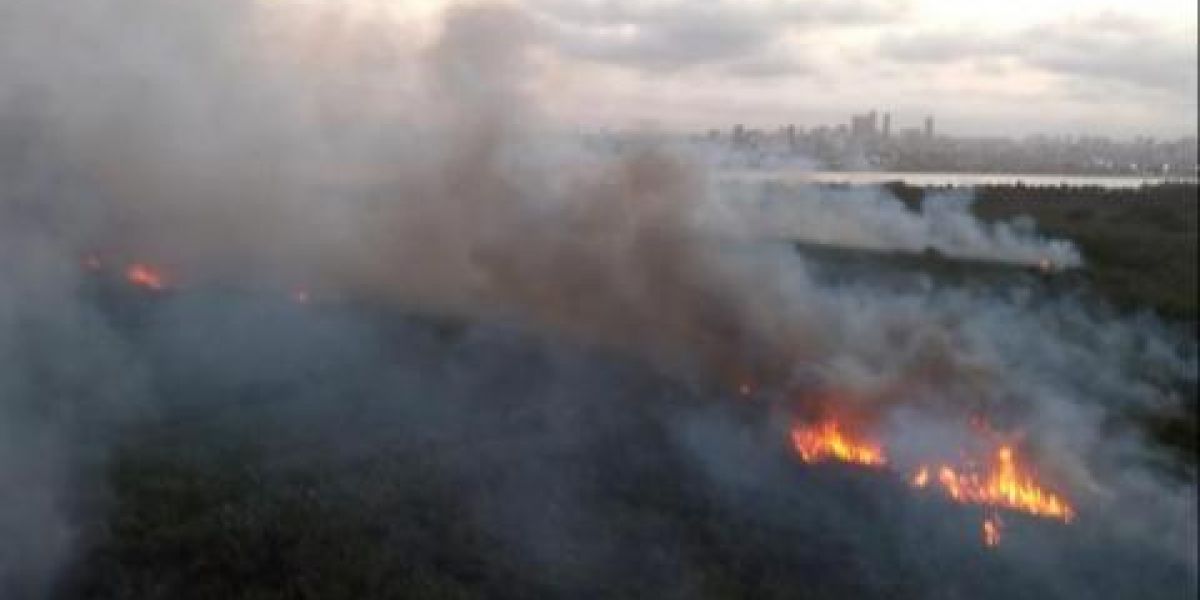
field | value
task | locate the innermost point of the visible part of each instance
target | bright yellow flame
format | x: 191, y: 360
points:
x: 1004, y: 485
x: 827, y: 441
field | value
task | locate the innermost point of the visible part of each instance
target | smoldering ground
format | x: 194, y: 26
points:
x: 515, y: 374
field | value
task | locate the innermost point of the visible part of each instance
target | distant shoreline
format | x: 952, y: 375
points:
x: 927, y: 179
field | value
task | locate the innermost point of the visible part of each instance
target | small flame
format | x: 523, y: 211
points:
x: 145, y: 276
x: 827, y: 441
x: 921, y: 478
x: 991, y: 531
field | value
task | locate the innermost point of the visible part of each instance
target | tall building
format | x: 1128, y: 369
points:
x: 887, y: 124
x: 929, y: 126
x: 864, y: 125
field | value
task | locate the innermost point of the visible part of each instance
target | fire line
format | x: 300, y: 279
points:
x: 1002, y: 483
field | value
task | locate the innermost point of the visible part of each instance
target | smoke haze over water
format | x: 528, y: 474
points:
x: 262, y: 147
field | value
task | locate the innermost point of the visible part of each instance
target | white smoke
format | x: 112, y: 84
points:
x: 874, y: 219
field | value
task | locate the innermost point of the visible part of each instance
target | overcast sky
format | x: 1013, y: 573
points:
x: 980, y: 67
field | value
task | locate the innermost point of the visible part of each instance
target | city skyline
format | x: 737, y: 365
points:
x: 870, y: 140
x: 886, y: 123
x: 1056, y: 67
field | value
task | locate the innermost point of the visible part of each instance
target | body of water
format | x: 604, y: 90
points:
x: 942, y: 179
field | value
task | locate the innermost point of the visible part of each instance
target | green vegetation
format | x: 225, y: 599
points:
x: 1140, y: 245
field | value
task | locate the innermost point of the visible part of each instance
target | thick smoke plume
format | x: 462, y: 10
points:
x: 275, y: 145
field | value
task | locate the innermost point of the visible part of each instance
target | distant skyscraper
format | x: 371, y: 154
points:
x: 929, y: 126
x: 887, y: 124
x: 865, y: 125
x: 739, y: 134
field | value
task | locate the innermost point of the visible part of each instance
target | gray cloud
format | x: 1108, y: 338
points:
x: 769, y: 66
x: 672, y: 35
x: 1107, y: 48
x: 1119, y: 49
x: 611, y: 12
x: 936, y: 47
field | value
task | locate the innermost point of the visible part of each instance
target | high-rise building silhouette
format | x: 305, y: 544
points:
x: 929, y: 126
x: 865, y: 125
x: 887, y: 124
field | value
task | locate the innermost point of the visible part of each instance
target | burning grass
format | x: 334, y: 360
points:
x: 826, y: 441
x: 1001, y: 482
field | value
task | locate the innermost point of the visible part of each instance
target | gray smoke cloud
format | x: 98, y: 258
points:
x: 271, y: 145
x: 876, y: 220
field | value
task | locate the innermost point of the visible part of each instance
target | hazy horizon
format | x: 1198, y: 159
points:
x: 1053, y: 67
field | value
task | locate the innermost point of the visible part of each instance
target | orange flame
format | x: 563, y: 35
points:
x: 827, y: 441
x: 1005, y: 485
x: 143, y: 275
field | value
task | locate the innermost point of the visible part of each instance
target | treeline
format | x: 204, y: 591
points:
x: 1021, y: 193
